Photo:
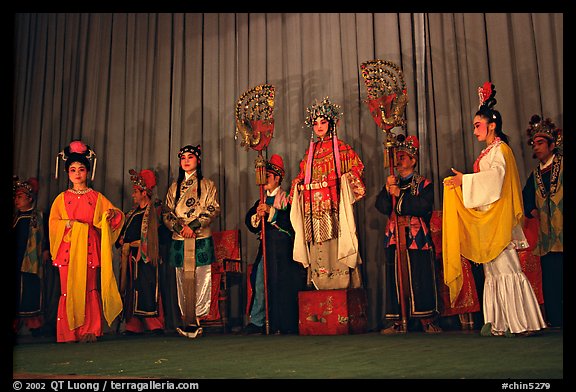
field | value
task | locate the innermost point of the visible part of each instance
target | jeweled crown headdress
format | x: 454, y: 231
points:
x: 326, y: 109
x: 409, y: 144
x: 545, y: 128
x: 29, y: 187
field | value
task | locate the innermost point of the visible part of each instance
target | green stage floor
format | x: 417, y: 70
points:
x: 453, y: 355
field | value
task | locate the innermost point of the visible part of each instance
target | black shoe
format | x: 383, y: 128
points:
x: 157, y: 332
x: 253, y: 329
x: 131, y: 333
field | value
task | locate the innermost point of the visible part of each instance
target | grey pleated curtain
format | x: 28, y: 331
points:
x: 137, y: 87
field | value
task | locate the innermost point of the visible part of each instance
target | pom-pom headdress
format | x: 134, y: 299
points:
x: 29, y: 187
x: 387, y: 96
x: 544, y: 128
x: 254, y: 117
x: 409, y: 144
x: 77, y: 151
x: 145, y: 180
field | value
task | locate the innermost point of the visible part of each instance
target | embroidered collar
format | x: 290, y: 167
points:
x: 495, y: 142
x: 554, y: 177
x: 187, y: 176
x: 81, y: 192
x: 548, y: 162
x: 412, y: 181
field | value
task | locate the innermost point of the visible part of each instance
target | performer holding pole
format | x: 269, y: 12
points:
x: 255, y: 124
x: 408, y: 200
x: 387, y: 100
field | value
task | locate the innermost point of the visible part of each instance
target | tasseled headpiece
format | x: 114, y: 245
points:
x: 77, y: 151
x: 325, y: 109
x: 332, y: 113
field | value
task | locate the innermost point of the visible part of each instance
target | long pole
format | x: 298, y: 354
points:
x: 399, y: 251
x: 261, y: 180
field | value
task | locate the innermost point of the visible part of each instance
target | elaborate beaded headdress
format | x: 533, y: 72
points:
x: 325, y: 109
x: 29, y: 187
x: 332, y: 113
x: 409, y: 144
x: 254, y: 117
x: 387, y: 97
x: 544, y: 128
x: 196, y: 150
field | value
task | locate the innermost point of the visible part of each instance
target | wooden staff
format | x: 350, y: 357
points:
x: 400, y: 253
x: 255, y: 123
x: 261, y: 181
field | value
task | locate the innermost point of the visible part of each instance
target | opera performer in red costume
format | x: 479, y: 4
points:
x: 83, y: 226
x: 328, y: 184
x: 140, y: 259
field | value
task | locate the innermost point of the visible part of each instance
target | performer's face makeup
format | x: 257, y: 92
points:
x: 321, y: 126
x: 77, y: 173
x: 188, y: 162
x: 542, y: 149
x: 482, y: 128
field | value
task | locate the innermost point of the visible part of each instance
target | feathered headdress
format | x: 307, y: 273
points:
x: 145, y: 180
x: 486, y: 99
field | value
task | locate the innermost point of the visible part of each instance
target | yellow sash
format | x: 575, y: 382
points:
x: 111, y: 299
x: 77, y: 268
x: 479, y: 236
